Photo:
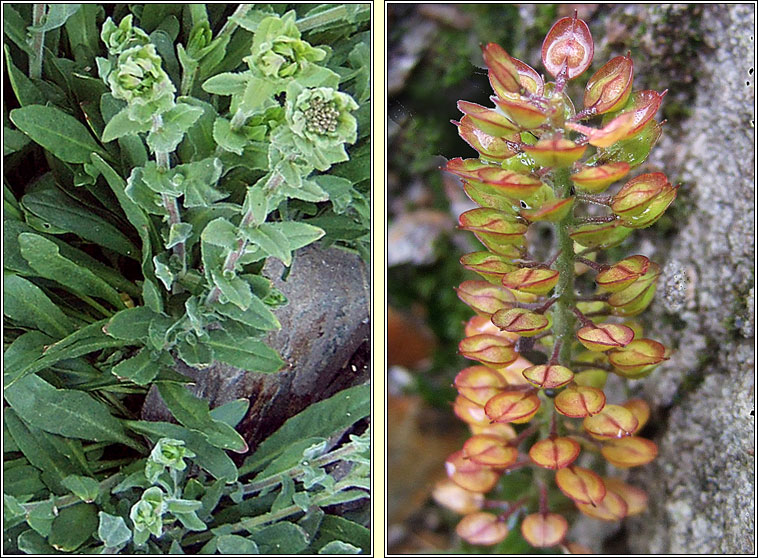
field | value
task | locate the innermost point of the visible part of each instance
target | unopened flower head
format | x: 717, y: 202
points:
x: 323, y: 114
x: 139, y: 79
x: 120, y: 37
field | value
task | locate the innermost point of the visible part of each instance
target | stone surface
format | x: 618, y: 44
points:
x: 702, y: 484
x: 324, y: 342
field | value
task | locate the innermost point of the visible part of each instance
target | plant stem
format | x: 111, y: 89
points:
x: 276, y: 479
x: 338, y: 13
x: 171, y: 203
x: 71, y: 499
x: 230, y: 26
x: 235, y: 255
x: 38, y: 42
x: 563, y: 317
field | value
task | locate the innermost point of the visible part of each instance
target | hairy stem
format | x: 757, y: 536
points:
x: 563, y: 317
x: 162, y: 159
x: 38, y: 42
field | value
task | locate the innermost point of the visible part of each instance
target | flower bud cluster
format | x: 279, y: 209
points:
x: 538, y: 161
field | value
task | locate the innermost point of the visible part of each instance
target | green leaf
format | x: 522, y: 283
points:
x: 14, y: 261
x: 22, y: 480
x: 340, y: 190
x: 339, y: 547
x: 59, y: 210
x: 220, y: 232
x: 73, y: 526
x: 85, y: 488
x: 198, y: 141
x: 247, y: 353
x: 26, y: 304
x: 228, y: 139
x: 31, y: 542
x: 198, y: 354
x: 61, y: 134
x: 121, y: 125
x: 39, y: 451
x: 85, y: 340
x: 44, y: 257
x: 233, y: 545
x: 234, y: 289
x: 26, y: 91
x: 298, y: 234
x: 40, y: 518
x: 231, y: 413
x: 191, y: 521
x: 112, y: 530
x: 284, y: 498
x: 14, y: 27
x: 14, y: 141
x: 175, y: 122
x: 257, y: 314
x: 281, y: 538
x: 140, y: 369
x: 335, y: 528
x: 131, y: 324
x: 210, y: 458
x: 227, y: 83
x: 270, y: 240
x: 67, y: 412
x: 193, y: 412
x: 320, y: 419
x: 84, y: 33
x: 56, y: 16
x: 200, y: 177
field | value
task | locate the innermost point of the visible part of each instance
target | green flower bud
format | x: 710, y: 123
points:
x: 139, y: 80
x: 171, y: 453
x: 277, y: 50
x: 147, y: 514
x: 323, y: 115
x: 121, y: 37
x: 321, y: 122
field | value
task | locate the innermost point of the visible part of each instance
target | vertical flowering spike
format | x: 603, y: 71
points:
x: 568, y: 48
x: 544, y: 530
x: 532, y: 167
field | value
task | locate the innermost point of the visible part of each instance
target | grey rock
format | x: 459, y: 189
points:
x: 701, y: 486
x: 324, y: 341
